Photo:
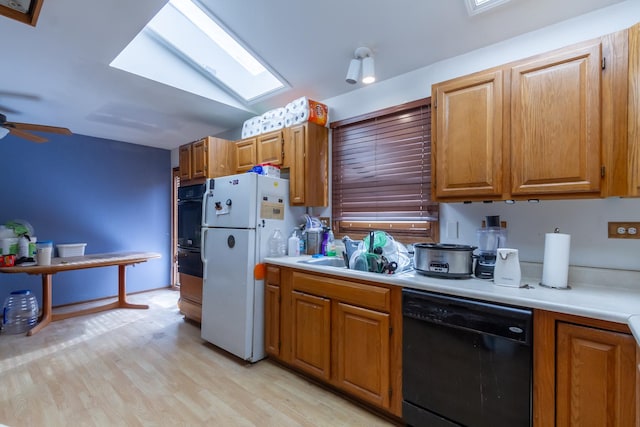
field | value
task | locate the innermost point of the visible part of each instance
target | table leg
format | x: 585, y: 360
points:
x: 122, y: 293
x: 46, y: 305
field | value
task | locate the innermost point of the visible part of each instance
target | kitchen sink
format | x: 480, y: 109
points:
x: 325, y: 261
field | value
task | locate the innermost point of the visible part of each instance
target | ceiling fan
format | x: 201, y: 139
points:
x: 20, y: 130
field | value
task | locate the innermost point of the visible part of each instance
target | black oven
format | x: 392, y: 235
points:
x: 189, y: 229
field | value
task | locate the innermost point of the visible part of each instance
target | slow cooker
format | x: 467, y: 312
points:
x: 444, y: 260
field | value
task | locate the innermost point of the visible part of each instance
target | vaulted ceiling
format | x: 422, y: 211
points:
x: 58, y: 72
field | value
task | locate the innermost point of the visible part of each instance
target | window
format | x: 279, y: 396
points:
x: 478, y: 6
x: 381, y: 174
x: 182, y: 34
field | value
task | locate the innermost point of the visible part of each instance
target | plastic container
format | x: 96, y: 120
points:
x: 23, y: 246
x: 20, y: 312
x: 43, y: 252
x: 27, y: 246
x: 71, y: 249
x: 32, y: 247
x: 277, y: 244
x: 314, y: 241
x: 294, y: 245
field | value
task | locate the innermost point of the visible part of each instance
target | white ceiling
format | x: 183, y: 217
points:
x: 58, y: 72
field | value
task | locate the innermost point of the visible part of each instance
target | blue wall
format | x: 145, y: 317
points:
x: 78, y: 189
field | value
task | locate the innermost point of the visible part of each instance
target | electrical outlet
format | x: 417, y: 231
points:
x: 624, y: 230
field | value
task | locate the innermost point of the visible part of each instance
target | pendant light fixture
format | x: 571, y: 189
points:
x: 363, y: 58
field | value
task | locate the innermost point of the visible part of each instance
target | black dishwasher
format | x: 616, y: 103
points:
x: 465, y: 362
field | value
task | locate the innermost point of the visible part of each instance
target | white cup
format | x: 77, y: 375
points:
x: 43, y: 252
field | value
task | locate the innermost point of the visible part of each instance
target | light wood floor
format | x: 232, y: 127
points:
x: 151, y: 368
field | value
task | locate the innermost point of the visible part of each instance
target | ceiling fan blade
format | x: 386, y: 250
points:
x: 7, y: 110
x: 38, y: 128
x: 26, y: 135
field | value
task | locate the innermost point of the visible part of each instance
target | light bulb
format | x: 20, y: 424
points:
x: 368, y: 73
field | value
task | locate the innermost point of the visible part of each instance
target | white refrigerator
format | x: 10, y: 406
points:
x: 239, y: 213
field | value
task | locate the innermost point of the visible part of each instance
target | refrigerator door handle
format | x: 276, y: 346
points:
x: 203, y: 238
x: 204, y: 208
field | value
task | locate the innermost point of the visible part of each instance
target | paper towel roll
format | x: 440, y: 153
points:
x: 301, y: 103
x: 288, y: 120
x: 301, y: 117
x: 555, y: 267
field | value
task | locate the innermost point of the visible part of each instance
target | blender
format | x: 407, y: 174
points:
x: 490, y: 238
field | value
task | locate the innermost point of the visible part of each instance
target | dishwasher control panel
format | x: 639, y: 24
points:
x: 479, y: 316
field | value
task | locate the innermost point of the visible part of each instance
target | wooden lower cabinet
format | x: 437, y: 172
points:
x: 584, y: 372
x: 272, y: 323
x: 311, y: 334
x: 345, y: 333
x: 362, y: 352
x: 637, y: 424
x: 190, y: 303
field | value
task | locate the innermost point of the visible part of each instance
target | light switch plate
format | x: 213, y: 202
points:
x: 624, y: 230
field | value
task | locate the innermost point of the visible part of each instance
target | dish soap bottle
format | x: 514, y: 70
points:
x: 331, y: 244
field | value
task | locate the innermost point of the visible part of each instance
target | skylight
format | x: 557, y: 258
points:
x: 190, y: 35
x: 478, y: 6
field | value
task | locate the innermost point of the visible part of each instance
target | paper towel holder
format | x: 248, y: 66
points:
x: 363, y: 58
x: 556, y: 230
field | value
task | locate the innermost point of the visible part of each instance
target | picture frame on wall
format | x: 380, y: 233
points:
x: 25, y: 11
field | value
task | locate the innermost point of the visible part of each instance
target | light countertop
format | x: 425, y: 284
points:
x: 612, y: 295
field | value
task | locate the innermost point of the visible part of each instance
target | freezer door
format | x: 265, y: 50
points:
x: 229, y: 290
x: 232, y: 202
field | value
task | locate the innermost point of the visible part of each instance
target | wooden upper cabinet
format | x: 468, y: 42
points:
x: 244, y: 155
x: 264, y: 148
x: 633, y: 126
x: 555, y: 123
x: 297, y: 183
x: 269, y: 148
x: 208, y: 157
x: 307, y: 146
x: 199, y: 159
x: 467, y: 143
x: 595, y: 377
x: 531, y: 128
x: 184, y: 154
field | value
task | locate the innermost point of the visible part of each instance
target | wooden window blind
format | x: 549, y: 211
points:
x: 381, y: 174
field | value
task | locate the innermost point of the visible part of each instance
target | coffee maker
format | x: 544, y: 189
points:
x: 490, y: 237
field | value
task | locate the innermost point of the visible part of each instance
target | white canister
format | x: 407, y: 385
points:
x: 43, y: 252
